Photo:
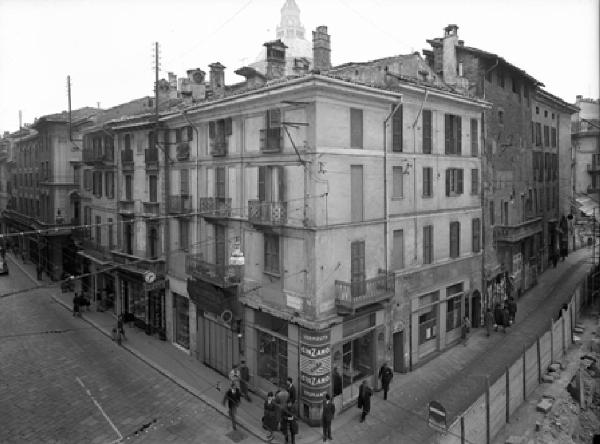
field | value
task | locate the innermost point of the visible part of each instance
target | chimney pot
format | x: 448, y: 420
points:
x: 217, y: 78
x: 275, y: 59
x: 321, y: 49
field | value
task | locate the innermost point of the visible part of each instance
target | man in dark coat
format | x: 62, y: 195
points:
x: 270, y: 421
x: 244, y: 379
x: 498, y: 316
x: 512, y: 309
x: 289, y: 424
x: 489, y: 321
x: 328, y: 412
x: 385, y: 374
x: 364, y: 397
x: 291, y: 392
x: 233, y: 398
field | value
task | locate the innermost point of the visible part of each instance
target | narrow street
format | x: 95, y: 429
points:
x: 62, y: 381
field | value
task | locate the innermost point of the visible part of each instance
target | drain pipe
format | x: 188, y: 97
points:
x: 185, y: 116
x: 385, y: 200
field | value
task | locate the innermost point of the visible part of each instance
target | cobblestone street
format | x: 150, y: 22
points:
x: 64, y: 382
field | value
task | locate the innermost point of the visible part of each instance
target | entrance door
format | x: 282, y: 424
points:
x: 221, y: 348
x: 399, y: 352
x: 476, y: 309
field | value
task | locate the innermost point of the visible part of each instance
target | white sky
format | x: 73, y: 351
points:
x: 106, y: 46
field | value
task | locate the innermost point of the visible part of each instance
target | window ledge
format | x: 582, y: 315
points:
x: 398, y: 198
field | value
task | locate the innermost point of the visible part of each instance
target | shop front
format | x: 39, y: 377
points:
x: 143, y: 303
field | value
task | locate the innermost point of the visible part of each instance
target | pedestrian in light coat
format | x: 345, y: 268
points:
x: 364, y: 396
x: 385, y: 374
x: 489, y: 321
x: 327, y: 414
x: 291, y: 391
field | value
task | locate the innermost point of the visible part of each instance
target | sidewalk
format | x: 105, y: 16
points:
x: 455, y: 378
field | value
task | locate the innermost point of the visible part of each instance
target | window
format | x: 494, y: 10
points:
x: 153, y: 188
x: 552, y: 116
x: 428, y: 309
x: 98, y: 229
x: 128, y: 187
x: 271, y: 253
x: 177, y: 135
x: 545, y: 113
x: 190, y: 133
x: 128, y: 236
x: 152, y: 242
x: 271, y: 183
x: 397, y: 130
x: 220, y: 182
x: 454, y: 295
x: 182, y: 320
x: 474, y: 138
x: 454, y: 239
x: 501, y: 117
x: 492, y: 214
x: 356, y: 193
x: 427, y: 131
x: 538, y: 134
x: 476, y: 231
x: 553, y: 138
x: 357, y: 268
x: 184, y: 182
x: 428, y: 244
x: 111, y: 240
x: 166, y: 138
x: 427, y: 181
x: 184, y: 241
x: 356, y: 128
x: 454, y: 181
x: 127, y: 141
x: 475, y: 181
x: 504, y: 214
x: 537, y: 109
x: 272, y: 362
x: 87, y: 180
x: 452, y: 132
x: 218, y: 131
x: 151, y: 140
x: 398, y: 250
x: 546, y: 135
x: 97, y: 184
x: 110, y: 185
x: 397, y: 182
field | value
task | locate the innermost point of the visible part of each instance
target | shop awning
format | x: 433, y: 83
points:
x: 587, y: 205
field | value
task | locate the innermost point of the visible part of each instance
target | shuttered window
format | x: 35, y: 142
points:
x: 453, y: 134
x: 397, y: 182
x: 428, y: 244
x: 271, y: 256
x: 220, y: 182
x: 476, y: 230
x: 454, y: 239
x: 153, y: 187
x: 357, y: 268
x: 356, y: 128
x: 427, y: 181
x: 474, y: 138
x: 398, y: 250
x: 184, y: 180
x: 454, y: 181
x: 356, y: 193
x: 397, y: 130
x: 427, y: 131
x: 475, y: 181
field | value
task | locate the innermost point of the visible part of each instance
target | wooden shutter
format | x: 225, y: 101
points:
x: 227, y: 126
x: 184, y: 182
x: 476, y: 235
x: 397, y: 130
x: 448, y: 133
x: 427, y: 131
x: 460, y: 188
x: 220, y: 182
x: 397, y: 179
x: 356, y: 128
x: 454, y: 239
x: 474, y: 138
x: 212, y: 129
x: 261, y: 183
x: 398, y: 250
x: 273, y: 118
x: 448, y: 178
x: 190, y: 133
x: 427, y: 181
x: 356, y: 193
x: 458, y: 134
x: 281, y: 188
x: 357, y: 261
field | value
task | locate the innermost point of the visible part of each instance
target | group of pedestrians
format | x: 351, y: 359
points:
x: 280, y: 412
x: 503, y: 316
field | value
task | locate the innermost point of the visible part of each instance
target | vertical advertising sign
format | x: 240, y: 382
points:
x: 315, y: 364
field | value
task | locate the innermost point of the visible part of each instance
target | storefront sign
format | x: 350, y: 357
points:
x: 315, y: 364
x: 207, y: 297
x: 156, y: 285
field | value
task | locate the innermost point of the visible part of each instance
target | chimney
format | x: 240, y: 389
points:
x: 275, y: 59
x: 321, y: 49
x: 217, y: 79
x: 254, y: 78
x: 164, y: 91
x: 301, y: 66
x: 195, y: 83
x: 449, y: 63
x: 173, y: 81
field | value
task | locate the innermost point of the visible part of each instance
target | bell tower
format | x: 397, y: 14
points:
x: 290, y: 26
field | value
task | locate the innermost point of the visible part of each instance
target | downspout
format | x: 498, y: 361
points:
x: 385, y: 203
x: 187, y: 119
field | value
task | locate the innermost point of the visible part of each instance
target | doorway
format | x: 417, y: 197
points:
x: 399, y: 352
x: 476, y: 309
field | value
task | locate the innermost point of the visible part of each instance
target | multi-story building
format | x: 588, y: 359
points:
x: 354, y: 196
x: 586, y: 147
x: 5, y: 177
x: 516, y: 233
x: 43, y: 181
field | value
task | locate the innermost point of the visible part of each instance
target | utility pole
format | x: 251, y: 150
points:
x: 69, y: 98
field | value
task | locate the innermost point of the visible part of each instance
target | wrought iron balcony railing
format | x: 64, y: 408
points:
x: 215, y: 206
x: 218, y: 274
x: 267, y: 213
x: 350, y: 296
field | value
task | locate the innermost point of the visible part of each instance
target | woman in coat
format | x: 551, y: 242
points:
x: 270, y: 420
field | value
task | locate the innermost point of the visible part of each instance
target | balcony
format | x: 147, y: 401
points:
x: 271, y: 140
x: 138, y: 264
x: 180, y: 204
x: 350, y: 296
x: 127, y: 160
x: 267, y: 213
x: 215, y: 206
x: 516, y: 233
x: 126, y: 207
x: 96, y: 158
x: 218, y: 147
x: 591, y: 189
x: 151, y: 158
x: 96, y: 250
x: 151, y: 209
x: 217, y: 274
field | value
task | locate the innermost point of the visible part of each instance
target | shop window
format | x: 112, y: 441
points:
x: 428, y: 307
x: 357, y: 358
x: 182, y: 321
x: 138, y: 301
x: 272, y: 358
x: 454, y: 296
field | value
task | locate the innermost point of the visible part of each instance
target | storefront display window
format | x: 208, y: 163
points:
x: 272, y: 358
x: 138, y: 302
x: 428, y: 317
x: 357, y: 359
x: 182, y: 321
x: 454, y: 296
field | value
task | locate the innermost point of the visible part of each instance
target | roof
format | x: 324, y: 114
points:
x: 486, y: 55
x: 568, y: 107
x: 76, y: 115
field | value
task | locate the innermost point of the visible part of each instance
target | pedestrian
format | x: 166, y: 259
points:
x: 497, y: 316
x: 512, y: 309
x: 244, y: 380
x: 234, y: 375
x: 233, y: 398
x: 505, y: 318
x: 489, y: 321
x: 465, y: 329
x: 269, y: 419
x: 120, y: 328
x: 385, y: 374
x: 337, y: 382
x: 76, y: 305
x: 364, y: 396
x: 289, y: 424
x: 291, y: 391
x: 327, y: 414
x: 554, y: 259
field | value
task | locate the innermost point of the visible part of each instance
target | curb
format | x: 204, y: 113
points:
x: 23, y: 269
